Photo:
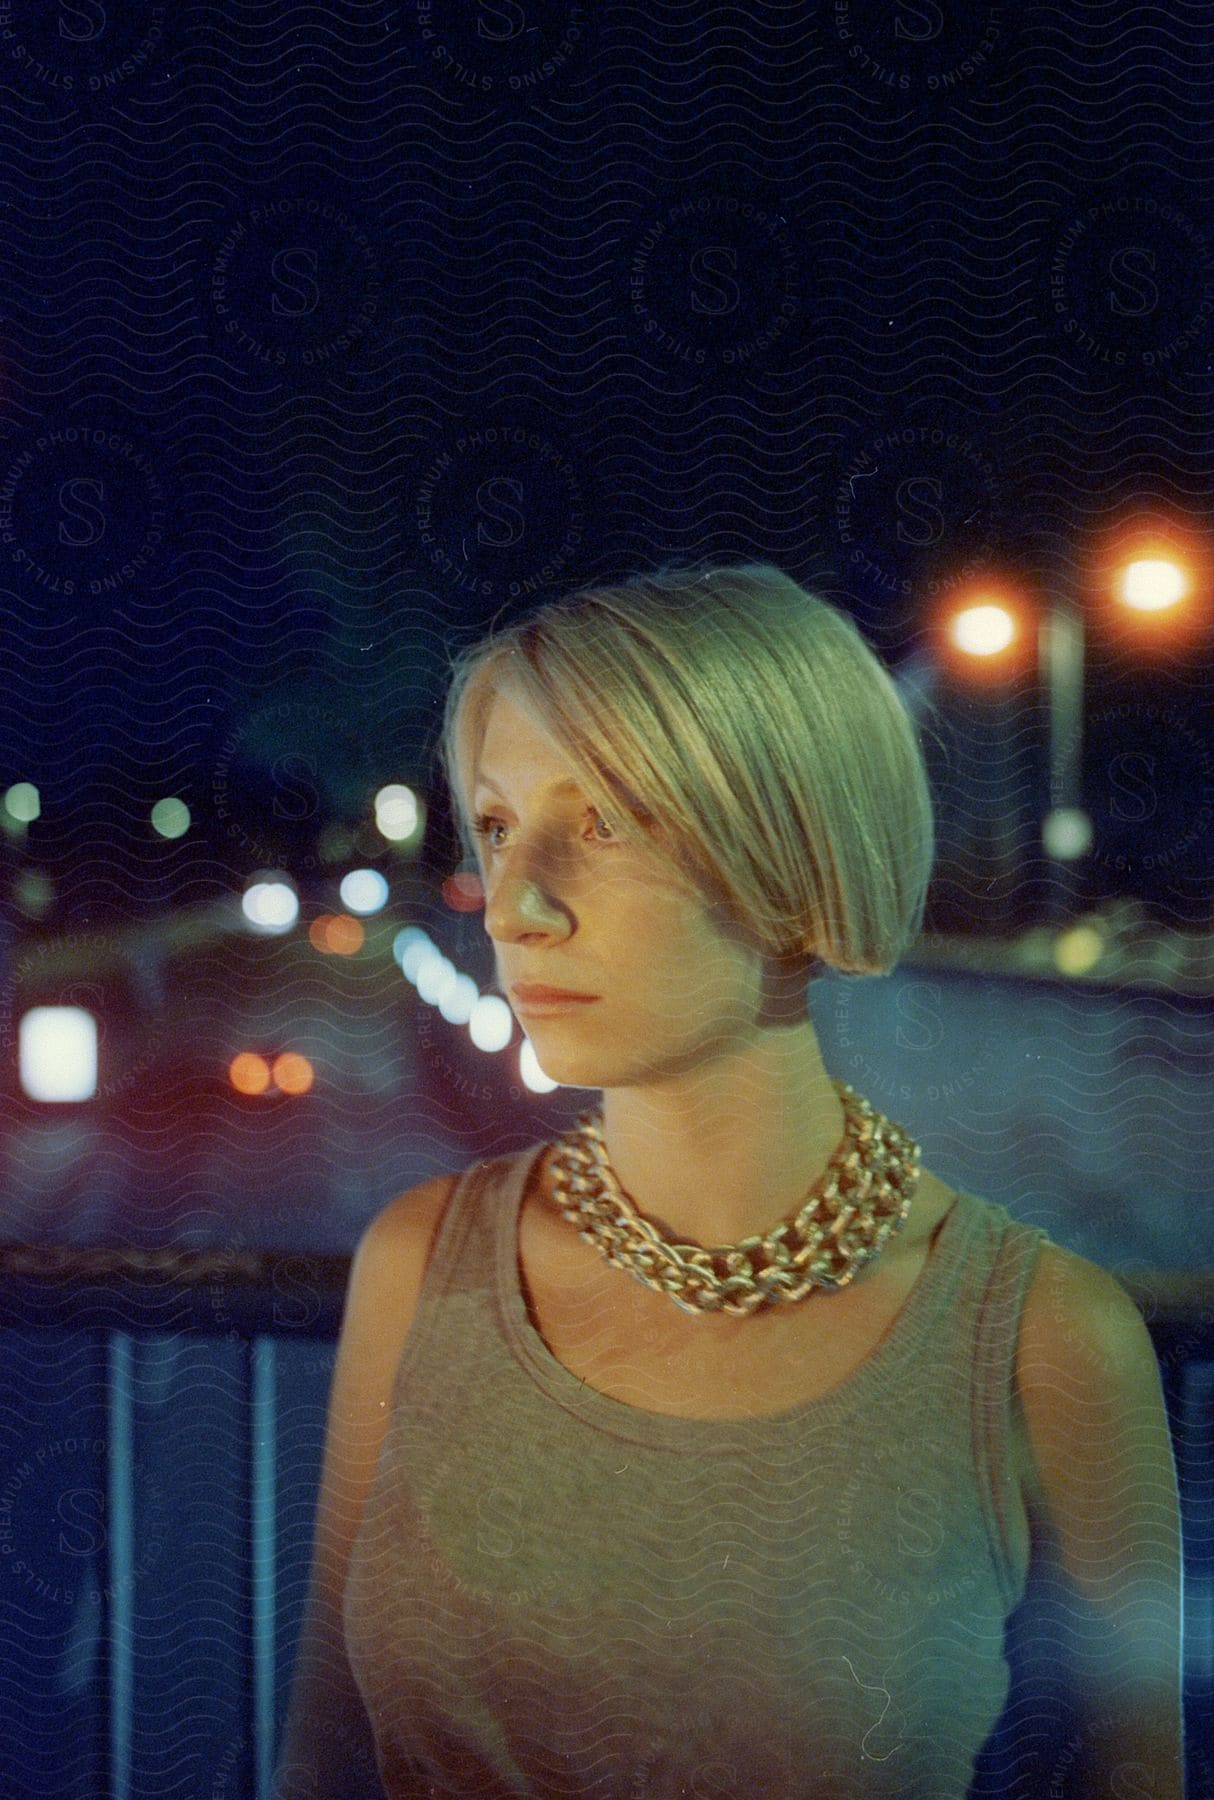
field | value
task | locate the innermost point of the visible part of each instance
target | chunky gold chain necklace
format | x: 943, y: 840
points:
x: 860, y: 1200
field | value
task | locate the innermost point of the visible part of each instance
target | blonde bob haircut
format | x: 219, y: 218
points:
x: 738, y: 727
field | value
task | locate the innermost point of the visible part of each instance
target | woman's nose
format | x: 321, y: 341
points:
x: 523, y: 895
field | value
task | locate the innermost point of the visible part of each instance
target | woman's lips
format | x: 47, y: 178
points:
x: 542, y: 1003
x: 528, y: 992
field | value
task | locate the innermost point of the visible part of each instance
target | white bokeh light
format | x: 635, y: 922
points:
x: 364, y: 891
x: 22, y: 802
x: 57, y: 1053
x: 457, y: 1000
x: 491, y: 1024
x: 435, y: 978
x: 271, y: 904
x: 405, y: 939
x: 397, y: 814
x: 532, y: 1075
x: 1066, y: 833
x: 422, y: 963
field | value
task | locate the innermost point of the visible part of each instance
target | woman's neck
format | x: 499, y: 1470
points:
x: 725, y: 1153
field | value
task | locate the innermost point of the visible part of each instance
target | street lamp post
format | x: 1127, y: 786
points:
x: 1147, y: 577
x: 1066, y: 832
x: 983, y: 644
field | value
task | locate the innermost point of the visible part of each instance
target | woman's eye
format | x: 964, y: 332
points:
x: 484, y: 827
x: 485, y: 824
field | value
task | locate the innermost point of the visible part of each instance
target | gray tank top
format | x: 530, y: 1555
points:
x: 555, y: 1594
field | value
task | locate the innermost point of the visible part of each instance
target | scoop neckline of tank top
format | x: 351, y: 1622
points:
x: 674, y: 1431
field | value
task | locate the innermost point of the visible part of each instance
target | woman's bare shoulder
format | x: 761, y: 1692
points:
x: 385, y: 1282
x: 415, y: 1210
x: 402, y: 1236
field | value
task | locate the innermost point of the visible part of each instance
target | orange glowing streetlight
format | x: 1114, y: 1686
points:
x: 1152, y: 570
x: 1148, y: 571
x: 983, y: 631
x: 1152, y: 584
x: 982, y: 624
x: 983, y: 628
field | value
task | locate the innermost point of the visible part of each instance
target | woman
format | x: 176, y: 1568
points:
x: 706, y: 1449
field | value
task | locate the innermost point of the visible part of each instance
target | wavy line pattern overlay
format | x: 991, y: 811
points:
x: 331, y: 333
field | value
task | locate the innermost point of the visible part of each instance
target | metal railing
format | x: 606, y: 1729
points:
x: 259, y: 1301
x: 116, y: 1306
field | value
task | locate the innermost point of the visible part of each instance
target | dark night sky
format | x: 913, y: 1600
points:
x: 328, y: 335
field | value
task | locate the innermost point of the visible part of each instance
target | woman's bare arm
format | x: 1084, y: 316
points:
x: 327, y: 1750
x: 1093, y: 1401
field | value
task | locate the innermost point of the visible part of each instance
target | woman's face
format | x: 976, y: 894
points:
x: 568, y: 907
